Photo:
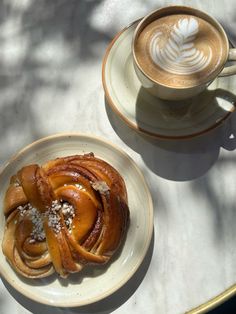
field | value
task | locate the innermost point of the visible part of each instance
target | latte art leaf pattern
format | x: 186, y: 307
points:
x: 179, y: 55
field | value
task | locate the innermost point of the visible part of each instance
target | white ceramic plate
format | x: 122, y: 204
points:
x: 92, y: 284
x: 155, y: 117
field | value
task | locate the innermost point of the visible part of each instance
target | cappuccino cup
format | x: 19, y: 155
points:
x: 178, y: 51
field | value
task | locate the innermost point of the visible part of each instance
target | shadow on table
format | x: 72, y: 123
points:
x: 178, y: 159
x: 104, y: 306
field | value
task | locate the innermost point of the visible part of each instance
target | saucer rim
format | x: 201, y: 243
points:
x: 135, y: 126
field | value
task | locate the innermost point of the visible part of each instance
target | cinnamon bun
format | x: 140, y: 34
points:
x: 63, y: 215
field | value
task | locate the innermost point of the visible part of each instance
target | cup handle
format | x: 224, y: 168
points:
x: 231, y: 69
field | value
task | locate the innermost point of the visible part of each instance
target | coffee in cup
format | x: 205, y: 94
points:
x: 178, y: 51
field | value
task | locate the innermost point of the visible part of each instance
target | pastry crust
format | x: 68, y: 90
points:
x: 69, y: 212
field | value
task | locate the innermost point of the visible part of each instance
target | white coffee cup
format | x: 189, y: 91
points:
x: 178, y: 51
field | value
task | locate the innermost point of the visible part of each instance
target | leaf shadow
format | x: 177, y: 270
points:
x: 43, y: 43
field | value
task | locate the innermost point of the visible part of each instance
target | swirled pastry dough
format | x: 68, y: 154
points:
x: 63, y: 215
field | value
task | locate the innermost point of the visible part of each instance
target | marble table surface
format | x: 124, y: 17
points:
x: 50, y: 82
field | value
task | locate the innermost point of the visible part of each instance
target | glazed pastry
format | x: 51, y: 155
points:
x: 63, y: 215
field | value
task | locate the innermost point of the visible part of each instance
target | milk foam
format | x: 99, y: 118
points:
x: 179, y: 55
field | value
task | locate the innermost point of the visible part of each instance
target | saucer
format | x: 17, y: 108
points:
x: 151, y: 115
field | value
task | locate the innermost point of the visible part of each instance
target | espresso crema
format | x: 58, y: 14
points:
x: 180, y: 50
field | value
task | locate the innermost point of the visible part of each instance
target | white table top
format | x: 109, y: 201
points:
x: 50, y: 81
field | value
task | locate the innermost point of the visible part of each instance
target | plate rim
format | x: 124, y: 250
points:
x: 135, y: 126
x: 117, y: 286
